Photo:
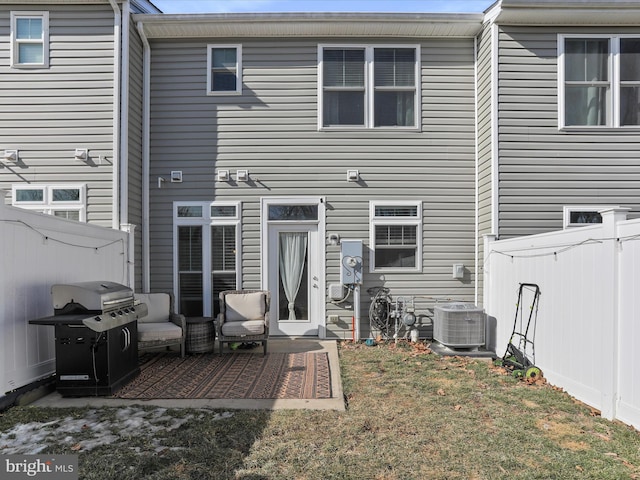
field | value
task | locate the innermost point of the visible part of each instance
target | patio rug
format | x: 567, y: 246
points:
x: 236, y: 375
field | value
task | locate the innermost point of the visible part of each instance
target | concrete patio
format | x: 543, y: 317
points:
x: 283, y: 345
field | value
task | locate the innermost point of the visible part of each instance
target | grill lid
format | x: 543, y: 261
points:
x: 94, y: 296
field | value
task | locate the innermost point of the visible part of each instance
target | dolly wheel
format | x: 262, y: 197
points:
x: 533, y: 373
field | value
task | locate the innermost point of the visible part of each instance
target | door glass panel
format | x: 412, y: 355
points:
x: 65, y: 195
x: 223, y: 211
x: 223, y: 262
x: 190, y: 270
x: 68, y: 214
x: 293, y: 212
x: 293, y: 276
x: 189, y: 211
x: 28, y: 195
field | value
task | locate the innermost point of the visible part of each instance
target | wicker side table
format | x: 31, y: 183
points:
x: 201, y: 334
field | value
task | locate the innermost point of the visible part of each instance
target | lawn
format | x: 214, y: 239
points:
x: 410, y: 415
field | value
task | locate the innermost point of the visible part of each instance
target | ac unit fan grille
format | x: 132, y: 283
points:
x: 459, y: 325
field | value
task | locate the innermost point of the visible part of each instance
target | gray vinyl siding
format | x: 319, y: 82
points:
x: 271, y: 130
x: 484, y: 145
x: 135, y: 146
x: 47, y: 113
x: 542, y: 168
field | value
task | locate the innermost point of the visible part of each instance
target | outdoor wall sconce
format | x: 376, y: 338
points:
x: 242, y: 175
x: 353, y: 175
x: 223, y: 175
x: 11, y: 155
x: 81, y: 154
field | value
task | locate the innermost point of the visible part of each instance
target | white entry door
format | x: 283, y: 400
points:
x: 294, y: 279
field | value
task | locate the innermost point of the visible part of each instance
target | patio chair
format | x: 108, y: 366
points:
x: 162, y: 327
x: 243, y: 317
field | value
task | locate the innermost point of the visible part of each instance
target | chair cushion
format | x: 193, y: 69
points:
x: 244, y: 306
x: 158, y: 305
x: 162, y: 331
x: 239, y: 328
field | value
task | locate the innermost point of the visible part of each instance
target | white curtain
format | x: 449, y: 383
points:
x: 293, y: 252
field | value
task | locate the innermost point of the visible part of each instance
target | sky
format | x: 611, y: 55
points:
x: 254, y: 6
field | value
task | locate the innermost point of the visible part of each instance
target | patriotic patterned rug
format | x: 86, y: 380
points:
x: 235, y: 375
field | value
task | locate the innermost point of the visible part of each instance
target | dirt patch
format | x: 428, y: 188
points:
x: 565, y: 435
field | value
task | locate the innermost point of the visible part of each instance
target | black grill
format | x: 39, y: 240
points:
x: 96, y: 337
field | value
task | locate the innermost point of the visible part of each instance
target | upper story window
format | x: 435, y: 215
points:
x: 599, y: 81
x: 30, y: 39
x: 369, y: 87
x: 224, y: 69
x: 395, y: 236
x: 65, y: 201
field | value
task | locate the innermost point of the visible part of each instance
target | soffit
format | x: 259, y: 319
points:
x: 310, y: 24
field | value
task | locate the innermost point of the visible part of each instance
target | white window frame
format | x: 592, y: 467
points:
x: 567, y: 210
x: 48, y: 205
x: 206, y: 221
x: 613, y: 121
x: 15, y: 42
x: 369, y: 87
x: 238, y: 69
x: 386, y: 221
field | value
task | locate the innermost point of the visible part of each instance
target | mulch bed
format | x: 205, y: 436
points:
x: 229, y: 376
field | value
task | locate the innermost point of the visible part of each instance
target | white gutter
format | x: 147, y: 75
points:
x: 117, y: 27
x: 124, y: 116
x: 146, y: 102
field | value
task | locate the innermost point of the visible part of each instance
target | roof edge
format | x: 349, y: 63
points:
x: 348, y: 24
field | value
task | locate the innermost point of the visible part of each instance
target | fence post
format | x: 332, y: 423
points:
x: 487, y: 303
x: 131, y: 253
x: 486, y: 271
x: 611, y: 296
x: 3, y: 194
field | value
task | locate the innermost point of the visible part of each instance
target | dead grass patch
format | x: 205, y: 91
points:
x: 486, y: 426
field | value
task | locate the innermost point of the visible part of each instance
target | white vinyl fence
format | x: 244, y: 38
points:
x: 587, y: 327
x: 37, y: 251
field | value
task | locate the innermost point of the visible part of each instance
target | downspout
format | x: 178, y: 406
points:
x: 495, y: 145
x: 124, y: 117
x: 117, y: 27
x: 477, y: 175
x: 146, y: 129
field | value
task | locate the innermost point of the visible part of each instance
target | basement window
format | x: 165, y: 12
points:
x: 581, y: 215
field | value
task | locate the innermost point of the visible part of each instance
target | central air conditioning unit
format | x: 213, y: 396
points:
x: 459, y: 325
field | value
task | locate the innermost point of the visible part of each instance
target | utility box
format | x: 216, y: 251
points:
x: 351, y: 262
